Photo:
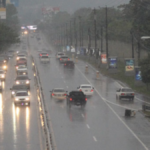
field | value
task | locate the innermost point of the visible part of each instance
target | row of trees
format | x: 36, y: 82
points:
x: 9, y: 28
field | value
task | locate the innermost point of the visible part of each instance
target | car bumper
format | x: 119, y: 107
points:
x: 22, y: 102
x: 88, y: 93
x: 59, y: 98
x: 126, y: 96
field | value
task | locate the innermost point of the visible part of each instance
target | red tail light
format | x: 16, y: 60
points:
x: 60, y: 59
x: 65, y: 64
x: 91, y: 90
x: 132, y: 93
x: 70, y: 99
x: 68, y: 59
x: 122, y: 94
x: 80, y: 90
x: 53, y: 94
x: 46, y: 54
x: 40, y: 54
x: 65, y: 94
x: 85, y: 99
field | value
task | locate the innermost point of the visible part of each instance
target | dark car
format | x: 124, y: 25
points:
x: 69, y: 64
x: 17, y: 87
x: 76, y: 98
x: 23, y: 80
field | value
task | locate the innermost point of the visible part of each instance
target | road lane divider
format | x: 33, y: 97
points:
x: 45, y: 122
x: 107, y: 103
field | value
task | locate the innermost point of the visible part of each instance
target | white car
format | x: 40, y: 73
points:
x: 21, y: 97
x: 22, y: 70
x: 21, y: 56
x: 125, y: 92
x: 59, y: 54
x: 2, y: 75
x: 87, y: 89
x: 58, y: 93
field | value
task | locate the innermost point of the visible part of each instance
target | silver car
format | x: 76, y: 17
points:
x: 58, y: 93
x: 22, y: 97
x: 2, y: 75
x: 22, y: 70
x: 23, y: 80
x: 63, y: 59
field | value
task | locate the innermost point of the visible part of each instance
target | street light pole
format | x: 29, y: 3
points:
x: 70, y: 35
x: 80, y: 30
x: 75, y: 34
x: 101, y: 39
x: 132, y: 40
x: 66, y: 35
x: 95, y: 31
x: 107, y: 33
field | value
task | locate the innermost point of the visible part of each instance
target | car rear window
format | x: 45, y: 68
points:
x: 22, y: 94
x: 61, y: 54
x: 77, y: 94
x: 45, y: 57
x: 59, y: 90
x: 22, y: 78
x: 86, y: 87
x: 127, y: 90
x: 64, y: 57
x: 69, y: 62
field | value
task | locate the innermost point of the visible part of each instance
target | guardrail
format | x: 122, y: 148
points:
x: 43, y: 111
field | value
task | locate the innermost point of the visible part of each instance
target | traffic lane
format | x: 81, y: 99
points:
x: 59, y: 121
x: 19, y: 125
x: 139, y: 124
x: 108, y: 87
x: 125, y: 126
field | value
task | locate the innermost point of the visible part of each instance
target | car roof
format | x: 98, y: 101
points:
x: 58, y: 89
x: 22, y: 76
x: 85, y: 85
x: 63, y: 56
x: 22, y: 91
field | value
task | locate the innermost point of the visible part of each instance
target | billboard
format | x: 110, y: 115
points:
x: 112, y: 63
x: 103, y: 58
x: 129, y: 65
x: 2, y: 13
x: 138, y: 76
x: 15, y: 2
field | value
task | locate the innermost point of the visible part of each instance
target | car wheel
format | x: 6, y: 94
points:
x: 116, y: 97
x: 119, y: 98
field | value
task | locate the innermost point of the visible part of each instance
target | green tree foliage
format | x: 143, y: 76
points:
x: 145, y: 70
x: 12, y: 17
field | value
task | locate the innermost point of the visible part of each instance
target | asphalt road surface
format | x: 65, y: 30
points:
x: 101, y: 125
x: 20, y: 127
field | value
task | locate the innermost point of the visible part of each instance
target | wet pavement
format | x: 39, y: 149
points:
x: 101, y: 125
x: 20, y: 127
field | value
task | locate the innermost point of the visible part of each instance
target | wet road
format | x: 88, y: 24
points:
x: 100, y: 125
x: 20, y: 127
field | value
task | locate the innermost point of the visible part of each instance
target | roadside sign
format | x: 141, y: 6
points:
x: 112, y: 62
x: 129, y: 65
x: 138, y: 76
x: 103, y: 58
x: 2, y: 13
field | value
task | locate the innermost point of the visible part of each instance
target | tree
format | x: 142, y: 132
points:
x: 145, y: 70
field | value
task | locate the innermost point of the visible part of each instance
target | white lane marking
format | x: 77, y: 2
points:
x: 94, y: 138
x: 67, y: 87
x: 115, y: 113
x: 88, y: 126
x: 82, y: 115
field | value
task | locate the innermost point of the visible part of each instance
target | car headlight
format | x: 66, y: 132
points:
x: 12, y: 92
x: 17, y: 58
x: 3, y: 76
x: 27, y: 82
x: 24, y: 73
x: 17, y: 82
x: 4, y: 67
x: 27, y: 98
x: 4, y: 61
x: 16, y: 99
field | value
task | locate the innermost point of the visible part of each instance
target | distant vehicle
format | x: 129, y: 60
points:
x: 23, y: 80
x: 22, y: 60
x: 3, y: 65
x: 58, y: 93
x: 10, y: 53
x: 18, y: 87
x: 1, y: 88
x: 59, y: 54
x: 87, y: 89
x: 69, y: 64
x: 2, y: 75
x: 22, y: 97
x: 63, y: 59
x: 125, y: 92
x: 19, y: 64
x: 76, y: 98
x: 43, y: 54
x: 21, y: 56
x: 22, y: 70
x: 44, y: 59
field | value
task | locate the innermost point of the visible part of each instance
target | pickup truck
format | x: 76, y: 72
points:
x: 76, y: 98
x: 44, y: 59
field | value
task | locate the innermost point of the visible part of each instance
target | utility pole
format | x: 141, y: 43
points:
x: 75, y: 34
x: 80, y: 30
x: 107, y: 34
x: 139, y: 51
x: 66, y: 35
x: 132, y: 40
x: 101, y: 39
x: 95, y: 31
x: 70, y: 35
x: 89, y: 40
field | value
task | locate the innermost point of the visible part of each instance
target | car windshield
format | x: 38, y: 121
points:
x: 59, y: 90
x: 45, y: 57
x: 86, y: 87
x: 22, y: 94
x: 127, y: 90
x: 22, y: 78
